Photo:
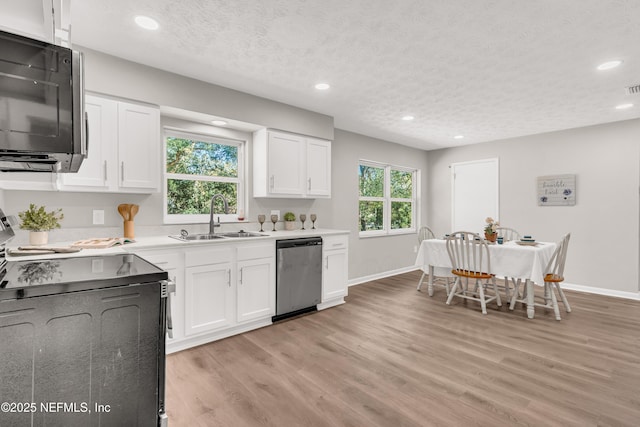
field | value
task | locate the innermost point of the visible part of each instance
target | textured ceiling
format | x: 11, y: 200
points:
x: 486, y: 69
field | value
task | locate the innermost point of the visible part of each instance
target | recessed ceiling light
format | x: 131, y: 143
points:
x: 408, y: 118
x: 146, y: 22
x: 218, y: 122
x: 623, y: 106
x: 609, y: 64
x: 458, y: 137
x: 322, y: 86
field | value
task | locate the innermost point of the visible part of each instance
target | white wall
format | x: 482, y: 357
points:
x: 372, y: 255
x: 604, y: 223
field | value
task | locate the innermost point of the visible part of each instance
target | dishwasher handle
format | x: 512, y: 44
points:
x: 296, y: 243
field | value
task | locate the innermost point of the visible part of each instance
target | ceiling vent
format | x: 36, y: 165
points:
x: 633, y: 90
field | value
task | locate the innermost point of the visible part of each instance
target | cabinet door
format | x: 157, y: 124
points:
x: 318, y: 167
x: 209, y: 299
x: 285, y: 164
x: 256, y: 289
x: 139, y: 146
x: 100, y: 165
x: 334, y: 277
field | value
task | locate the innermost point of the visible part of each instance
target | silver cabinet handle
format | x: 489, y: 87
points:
x: 327, y: 263
x: 122, y: 172
x: 309, y: 184
x: 229, y: 277
x: 273, y: 181
x: 241, y: 275
x: 105, y: 170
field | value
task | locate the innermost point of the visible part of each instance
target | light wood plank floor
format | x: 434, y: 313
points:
x: 392, y: 356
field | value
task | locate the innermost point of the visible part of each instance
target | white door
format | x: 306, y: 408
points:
x: 475, y: 194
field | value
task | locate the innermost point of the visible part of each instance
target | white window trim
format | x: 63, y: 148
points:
x: 387, y: 200
x: 241, y: 179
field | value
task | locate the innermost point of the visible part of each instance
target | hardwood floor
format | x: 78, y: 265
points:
x: 392, y: 356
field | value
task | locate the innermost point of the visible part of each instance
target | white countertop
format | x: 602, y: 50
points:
x: 164, y: 242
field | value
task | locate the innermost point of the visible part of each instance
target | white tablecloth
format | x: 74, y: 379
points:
x: 507, y: 260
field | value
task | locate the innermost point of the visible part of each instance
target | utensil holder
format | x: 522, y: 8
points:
x: 128, y: 230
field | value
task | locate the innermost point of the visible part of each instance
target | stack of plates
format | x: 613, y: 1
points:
x: 527, y: 241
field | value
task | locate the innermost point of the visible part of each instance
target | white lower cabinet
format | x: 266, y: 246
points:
x: 256, y: 282
x: 208, y: 298
x: 334, y: 270
x: 228, y: 288
x: 222, y: 289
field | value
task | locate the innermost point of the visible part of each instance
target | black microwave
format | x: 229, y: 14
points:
x: 43, y: 125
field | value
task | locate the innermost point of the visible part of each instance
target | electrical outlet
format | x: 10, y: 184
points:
x: 276, y: 213
x: 98, y: 217
x: 415, y: 249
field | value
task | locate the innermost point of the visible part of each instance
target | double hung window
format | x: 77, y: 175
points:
x: 196, y: 168
x: 388, y: 199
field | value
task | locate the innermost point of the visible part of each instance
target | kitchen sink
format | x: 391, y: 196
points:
x: 207, y: 236
x: 240, y: 234
x: 204, y: 236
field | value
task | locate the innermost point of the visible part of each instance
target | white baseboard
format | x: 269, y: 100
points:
x: 569, y: 286
x: 602, y: 291
x: 365, y: 279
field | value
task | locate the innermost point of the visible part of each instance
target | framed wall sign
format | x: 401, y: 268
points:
x: 557, y: 190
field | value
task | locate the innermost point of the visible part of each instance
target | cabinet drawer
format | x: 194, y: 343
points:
x: 207, y: 256
x: 164, y: 260
x: 334, y: 242
x: 255, y: 251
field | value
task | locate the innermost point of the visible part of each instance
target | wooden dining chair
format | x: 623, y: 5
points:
x: 469, y: 255
x: 508, y: 233
x: 425, y: 233
x: 554, y: 275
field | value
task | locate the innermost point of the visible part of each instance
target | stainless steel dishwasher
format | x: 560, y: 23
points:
x: 298, y: 276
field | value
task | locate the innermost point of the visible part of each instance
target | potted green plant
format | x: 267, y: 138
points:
x: 38, y: 221
x: 289, y: 221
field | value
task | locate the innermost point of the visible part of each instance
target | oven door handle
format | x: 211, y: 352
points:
x: 168, y: 288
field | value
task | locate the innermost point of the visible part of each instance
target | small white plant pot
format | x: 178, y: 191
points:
x: 38, y: 238
x: 289, y: 225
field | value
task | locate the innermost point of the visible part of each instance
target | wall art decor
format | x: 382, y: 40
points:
x: 557, y: 190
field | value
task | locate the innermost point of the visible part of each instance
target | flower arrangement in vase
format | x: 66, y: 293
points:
x: 38, y: 221
x: 490, y: 229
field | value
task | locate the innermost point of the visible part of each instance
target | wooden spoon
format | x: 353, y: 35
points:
x: 124, y: 209
x: 133, y: 210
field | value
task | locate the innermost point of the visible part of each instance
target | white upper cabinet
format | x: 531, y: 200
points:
x: 290, y: 166
x: 139, y: 146
x: 318, y: 167
x: 102, y: 114
x: 124, y: 149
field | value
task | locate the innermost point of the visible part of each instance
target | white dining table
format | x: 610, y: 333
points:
x: 525, y: 262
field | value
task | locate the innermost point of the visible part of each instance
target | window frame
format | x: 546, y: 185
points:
x: 388, y: 200
x: 240, y: 180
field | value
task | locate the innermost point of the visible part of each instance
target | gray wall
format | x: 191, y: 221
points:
x: 118, y: 77
x: 372, y: 255
x: 604, y: 223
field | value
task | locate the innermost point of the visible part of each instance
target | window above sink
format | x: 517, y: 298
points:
x: 196, y: 167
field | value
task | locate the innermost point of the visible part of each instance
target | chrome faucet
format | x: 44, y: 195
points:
x: 212, y: 223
